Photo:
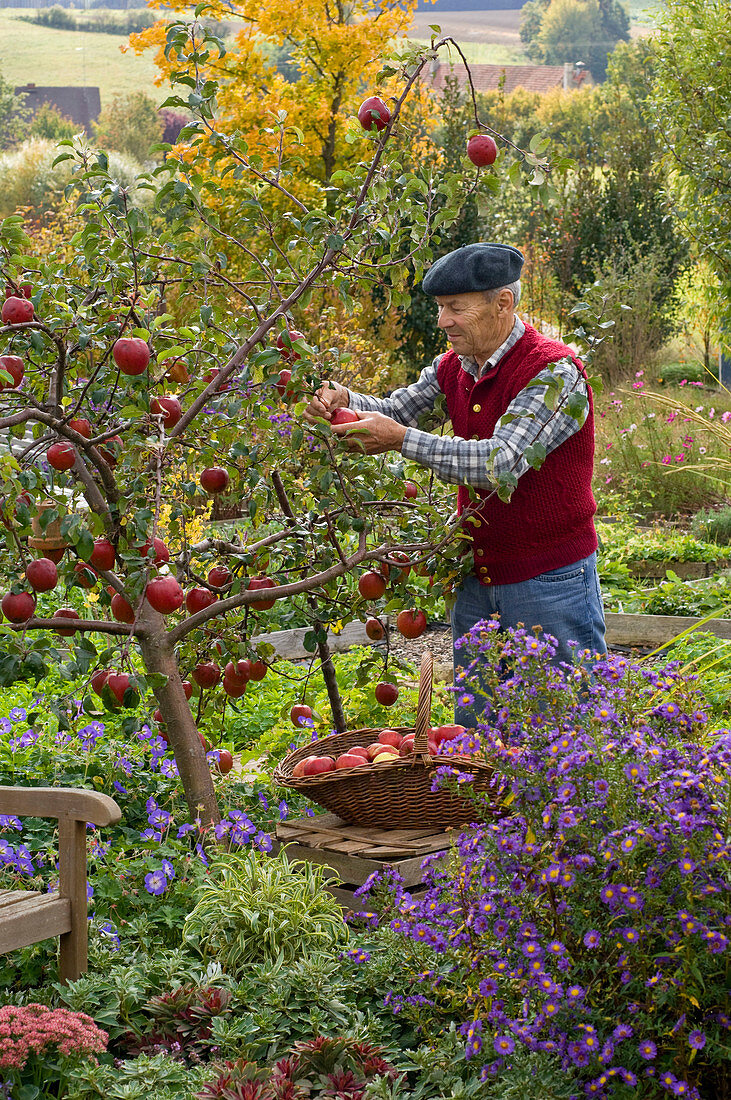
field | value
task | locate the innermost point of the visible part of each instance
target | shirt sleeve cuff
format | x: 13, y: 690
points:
x: 414, y: 444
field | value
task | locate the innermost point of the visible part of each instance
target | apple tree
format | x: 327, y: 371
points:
x: 141, y: 378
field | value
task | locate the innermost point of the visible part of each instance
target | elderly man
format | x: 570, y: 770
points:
x: 534, y: 557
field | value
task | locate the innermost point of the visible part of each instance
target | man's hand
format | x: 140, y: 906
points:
x: 330, y: 396
x: 373, y: 434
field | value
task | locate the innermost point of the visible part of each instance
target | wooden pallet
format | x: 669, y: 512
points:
x: 353, y: 853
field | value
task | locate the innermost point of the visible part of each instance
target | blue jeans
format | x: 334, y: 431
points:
x: 565, y: 602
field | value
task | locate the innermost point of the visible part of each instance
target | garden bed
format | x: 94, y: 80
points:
x: 643, y: 630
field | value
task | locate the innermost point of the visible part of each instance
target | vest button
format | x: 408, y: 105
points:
x: 483, y: 569
x: 475, y: 436
x: 477, y: 522
x: 480, y: 553
x: 477, y: 408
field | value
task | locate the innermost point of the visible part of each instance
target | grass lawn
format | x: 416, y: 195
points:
x: 51, y: 57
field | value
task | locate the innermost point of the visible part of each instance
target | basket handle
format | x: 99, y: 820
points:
x: 423, y: 707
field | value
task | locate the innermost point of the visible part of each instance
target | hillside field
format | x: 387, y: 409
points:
x: 51, y: 57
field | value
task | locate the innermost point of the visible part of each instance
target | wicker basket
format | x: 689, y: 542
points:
x: 391, y: 795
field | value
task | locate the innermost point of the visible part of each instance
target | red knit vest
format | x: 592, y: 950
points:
x: 548, y: 522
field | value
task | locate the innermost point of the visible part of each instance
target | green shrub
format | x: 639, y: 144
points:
x: 677, y: 374
x: 257, y: 908
x: 713, y: 525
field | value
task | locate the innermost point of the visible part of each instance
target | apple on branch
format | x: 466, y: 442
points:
x: 373, y: 114
x: 482, y: 150
x: 17, y: 311
x: 214, y: 479
x: 131, y: 354
x: 14, y: 366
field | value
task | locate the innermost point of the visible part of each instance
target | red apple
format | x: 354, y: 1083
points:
x: 170, y: 409
x: 18, y: 607
x: 319, y: 765
x: 109, y: 450
x: 206, y: 744
x: 219, y: 576
x: 373, y: 113
x: 349, y: 760
x: 482, y: 150
x: 284, y: 343
x: 122, y: 610
x: 178, y: 372
x: 42, y: 575
x: 99, y: 679
x: 359, y: 750
x: 411, y: 623
x: 207, y: 674
x: 26, y: 291
x: 407, y: 745
x: 282, y: 385
x: 198, y: 599
x: 15, y: 367
x: 225, y: 762
x: 344, y: 416
x: 298, y: 769
x: 374, y: 748
x: 131, y: 354
x: 118, y: 682
x: 66, y: 613
x: 85, y: 575
x: 103, y: 554
x: 157, y: 717
x: 386, y: 694
x: 161, y: 553
x: 164, y: 594
x: 234, y: 686
x: 387, y: 752
x: 16, y: 311
x: 214, y: 479
x: 256, y: 584
x: 82, y: 426
x: 61, y: 456
x: 440, y: 734
x: 396, y: 572
x: 187, y: 689
x: 371, y: 586
x: 390, y: 737
x: 243, y: 669
x: 298, y: 712
x: 55, y: 555
x: 411, y: 490
x: 375, y: 629
x: 258, y: 670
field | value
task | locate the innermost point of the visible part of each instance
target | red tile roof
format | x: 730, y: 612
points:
x: 487, y: 78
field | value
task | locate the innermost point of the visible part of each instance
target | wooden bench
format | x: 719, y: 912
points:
x: 27, y: 916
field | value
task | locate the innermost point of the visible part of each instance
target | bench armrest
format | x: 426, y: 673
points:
x: 60, y: 802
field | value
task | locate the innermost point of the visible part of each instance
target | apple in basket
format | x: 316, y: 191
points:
x: 318, y: 765
x: 350, y: 760
x: 358, y: 750
x: 386, y: 755
x: 407, y: 745
x: 446, y: 733
x: 299, y: 769
x: 390, y: 737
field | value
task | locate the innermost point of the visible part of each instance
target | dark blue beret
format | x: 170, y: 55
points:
x: 473, y: 267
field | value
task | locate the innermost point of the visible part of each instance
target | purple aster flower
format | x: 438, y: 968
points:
x: 156, y: 882
x: 697, y: 1040
x: 504, y: 1044
x: 622, y: 1031
x: 592, y: 938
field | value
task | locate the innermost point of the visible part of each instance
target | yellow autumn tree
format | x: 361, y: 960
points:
x: 329, y: 54
x: 333, y: 52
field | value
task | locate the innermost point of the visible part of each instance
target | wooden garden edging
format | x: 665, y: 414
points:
x: 289, y: 644
x: 656, y: 630
x: 28, y: 916
x: 686, y: 570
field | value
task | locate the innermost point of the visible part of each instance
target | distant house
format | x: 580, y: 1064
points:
x: 534, y: 78
x: 81, y: 105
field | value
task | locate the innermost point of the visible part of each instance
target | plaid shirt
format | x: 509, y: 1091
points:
x: 467, y: 461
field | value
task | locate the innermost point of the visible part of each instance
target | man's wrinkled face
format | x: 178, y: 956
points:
x: 475, y: 326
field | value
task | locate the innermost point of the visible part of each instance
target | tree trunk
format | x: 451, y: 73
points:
x: 195, y: 773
